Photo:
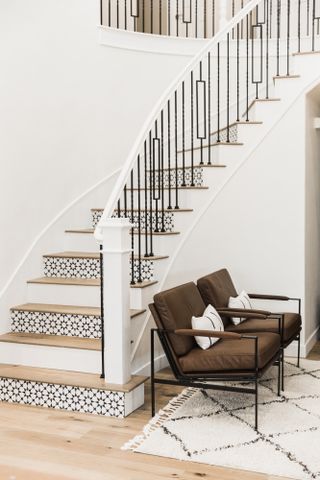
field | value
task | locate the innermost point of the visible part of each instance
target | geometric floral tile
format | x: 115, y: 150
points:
x: 187, y: 177
x: 70, y: 398
x: 60, y: 267
x: 233, y: 135
x: 168, y: 219
x: 51, y: 323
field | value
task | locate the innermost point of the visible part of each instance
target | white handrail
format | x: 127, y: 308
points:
x: 132, y: 157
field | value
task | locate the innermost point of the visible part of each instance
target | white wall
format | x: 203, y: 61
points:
x: 312, y: 222
x: 70, y: 110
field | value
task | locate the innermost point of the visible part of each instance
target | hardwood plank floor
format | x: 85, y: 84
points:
x: 39, y: 444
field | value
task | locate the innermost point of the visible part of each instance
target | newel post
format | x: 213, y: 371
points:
x: 116, y: 299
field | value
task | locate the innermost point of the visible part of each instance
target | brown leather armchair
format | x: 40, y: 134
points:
x: 236, y: 357
x: 217, y: 288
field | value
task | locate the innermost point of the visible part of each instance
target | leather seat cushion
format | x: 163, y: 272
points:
x: 231, y: 355
x: 292, y: 325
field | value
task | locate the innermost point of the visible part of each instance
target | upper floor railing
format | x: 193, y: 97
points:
x: 203, y: 18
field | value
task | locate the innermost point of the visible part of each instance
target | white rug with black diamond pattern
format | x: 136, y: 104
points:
x: 217, y: 428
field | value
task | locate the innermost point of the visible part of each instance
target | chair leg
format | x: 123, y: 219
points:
x: 282, y: 370
x: 256, y: 404
x: 299, y: 349
x: 279, y: 375
x: 153, y: 393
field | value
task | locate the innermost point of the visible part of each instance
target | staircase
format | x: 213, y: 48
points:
x: 190, y: 149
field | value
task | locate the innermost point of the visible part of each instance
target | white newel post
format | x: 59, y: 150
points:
x: 116, y: 285
x: 223, y: 14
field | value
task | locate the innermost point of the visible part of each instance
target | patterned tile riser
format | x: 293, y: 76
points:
x: 71, y: 325
x: 168, y: 220
x: 197, y: 177
x: 72, y: 399
x: 89, y: 268
x: 233, y: 135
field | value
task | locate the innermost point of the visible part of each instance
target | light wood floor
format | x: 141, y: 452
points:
x: 39, y: 444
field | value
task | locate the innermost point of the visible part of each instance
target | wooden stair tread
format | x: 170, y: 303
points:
x: 167, y: 210
x: 172, y: 188
x: 94, y: 255
x: 188, y: 167
x: 214, y: 144
x: 58, y: 341
x: 233, y: 124
x: 85, y: 282
x: 315, y: 52
x: 283, y: 77
x: 90, y: 231
x: 67, y: 377
x: 65, y: 309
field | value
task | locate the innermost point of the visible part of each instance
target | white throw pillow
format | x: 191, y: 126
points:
x: 241, y: 301
x: 210, y: 320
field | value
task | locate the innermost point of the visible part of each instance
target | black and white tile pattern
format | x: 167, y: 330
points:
x: 168, y: 220
x: 217, y: 428
x: 89, y: 268
x: 62, y: 397
x: 52, y: 323
x: 233, y: 135
x: 182, y: 180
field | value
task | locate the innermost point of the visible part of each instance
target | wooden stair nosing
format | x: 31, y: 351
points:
x: 85, y: 282
x: 66, y: 309
x: 67, y: 378
x: 167, y: 210
x: 240, y: 122
x: 95, y: 256
x: 90, y: 231
x: 214, y: 144
x: 59, y: 341
x: 314, y: 52
x: 179, y: 188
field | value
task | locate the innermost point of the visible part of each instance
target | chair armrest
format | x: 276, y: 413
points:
x: 282, y: 298
x: 189, y: 332
x: 244, y: 313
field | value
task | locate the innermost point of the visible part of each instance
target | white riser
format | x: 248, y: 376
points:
x: 141, y: 297
x: 64, y: 294
x: 80, y: 242
x: 248, y: 132
x: 265, y: 111
x: 51, y: 357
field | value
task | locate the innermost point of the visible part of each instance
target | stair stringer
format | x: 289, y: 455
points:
x: 298, y: 89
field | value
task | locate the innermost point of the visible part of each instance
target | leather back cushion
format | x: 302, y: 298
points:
x: 176, y: 308
x: 216, y: 289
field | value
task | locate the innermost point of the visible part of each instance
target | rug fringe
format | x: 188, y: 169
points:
x: 158, y: 420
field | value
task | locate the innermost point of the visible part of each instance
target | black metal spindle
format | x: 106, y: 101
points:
x: 119, y: 209
x: 132, y: 229
x: 109, y: 13
x: 278, y: 37
x: 160, y: 17
x: 288, y: 37
x: 126, y: 15
x: 267, y: 47
x: 308, y: 17
x: 205, y: 19
x: 213, y: 32
x: 169, y: 18
x: 228, y: 88
x: 196, y: 18
x: 209, y: 108
x: 176, y: 148
x: 183, y: 136
x: 218, y: 93
x: 169, y: 155
x: 247, y: 69
x: 162, y: 172
x: 299, y: 26
x: 150, y: 195
x: 118, y: 14
x: 238, y: 72
x: 101, y: 12
x: 156, y: 175
x: 139, y: 218
x: 313, y: 20
x: 125, y: 192
x: 270, y: 18
x: 200, y: 134
x: 192, y: 127
x: 146, y: 199
x: 102, y: 312
x: 177, y: 18
x: 143, y: 16
x: 151, y: 17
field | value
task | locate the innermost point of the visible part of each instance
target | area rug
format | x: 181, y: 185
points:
x: 217, y: 428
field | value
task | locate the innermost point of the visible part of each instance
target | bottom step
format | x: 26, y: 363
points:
x: 71, y: 391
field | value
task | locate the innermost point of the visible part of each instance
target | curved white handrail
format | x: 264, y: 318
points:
x: 132, y: 157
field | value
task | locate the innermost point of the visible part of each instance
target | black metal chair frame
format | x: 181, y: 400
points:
x: 200, y: 381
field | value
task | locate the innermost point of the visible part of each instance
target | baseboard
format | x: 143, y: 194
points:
x: 306, y: 347
x: 160, y: 362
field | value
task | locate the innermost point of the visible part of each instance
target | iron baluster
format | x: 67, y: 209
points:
x: 183, y: 137
x: 169, y: 155
x: 150, y: 195
x: 176, y: 147
x: 139, y: 220
x: 146, y: 199
x: 102, y: 312
x: 162, y: 173
x: 132, y: 231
